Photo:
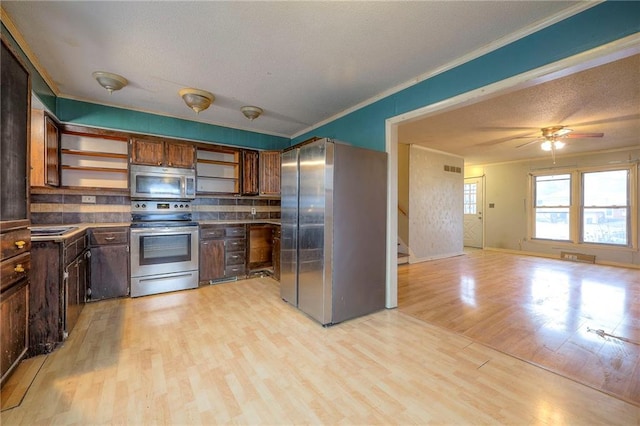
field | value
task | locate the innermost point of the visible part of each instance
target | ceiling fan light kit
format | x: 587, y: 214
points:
x: 110, y: 81
x: 196, y: 99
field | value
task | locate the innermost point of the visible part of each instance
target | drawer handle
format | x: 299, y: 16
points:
x: 110, y: 238
x: 19, y: 268
x: 20, y: 244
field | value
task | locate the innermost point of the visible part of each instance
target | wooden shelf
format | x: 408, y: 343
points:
x: 95, y: 169
x: 94, y: 154
x: 217, y: 178
x: 218, y: 162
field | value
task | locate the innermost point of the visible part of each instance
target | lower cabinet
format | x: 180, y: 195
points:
x: 110, y: 263
x: 59, y: 274
x: 13, y: 316
x: 276, y: 252
x: 222, y: 252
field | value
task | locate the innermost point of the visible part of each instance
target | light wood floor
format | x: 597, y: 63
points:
x: 235, y: 353
x: 545, y: 311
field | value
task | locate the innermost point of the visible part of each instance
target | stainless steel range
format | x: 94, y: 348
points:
x: 164, y: 247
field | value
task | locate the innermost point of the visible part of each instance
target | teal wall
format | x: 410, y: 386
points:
x: 96, y: 115
x: 601, y: 24
x: 365, y: 127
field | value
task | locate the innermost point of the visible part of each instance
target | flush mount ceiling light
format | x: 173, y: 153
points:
x: 110, y: 81
x: 251, y: 112
x: 196, y: 99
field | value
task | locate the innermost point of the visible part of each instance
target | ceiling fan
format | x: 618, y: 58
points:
x: 552, y: 138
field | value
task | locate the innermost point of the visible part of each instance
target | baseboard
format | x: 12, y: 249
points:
x: 557, y: 257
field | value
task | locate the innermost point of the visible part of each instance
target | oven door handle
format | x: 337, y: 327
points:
x: 145, y: 232
x: 172, y: 277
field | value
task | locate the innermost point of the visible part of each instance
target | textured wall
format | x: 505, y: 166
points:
x: 436, y: 204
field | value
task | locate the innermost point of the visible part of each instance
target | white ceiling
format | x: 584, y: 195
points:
x: 604, y: 99
x: 302, y: 62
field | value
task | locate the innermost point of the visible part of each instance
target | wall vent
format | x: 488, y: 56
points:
x: 577, y: 257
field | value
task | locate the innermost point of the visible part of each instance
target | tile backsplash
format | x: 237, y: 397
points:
x: 55, y: 209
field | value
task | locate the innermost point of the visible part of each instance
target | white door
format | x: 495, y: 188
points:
x: 473, y: 212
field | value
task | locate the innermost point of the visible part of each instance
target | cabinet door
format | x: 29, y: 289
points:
x: 51, y: 152
x: 14, y: 316
x: 109, y: 272
x: 147, y: 152
x: 270, y: 173
x: 250, y: 173
x: 14, y: 137
x: 76, y: 279
x: 180, y: 155
x: 211, y: 259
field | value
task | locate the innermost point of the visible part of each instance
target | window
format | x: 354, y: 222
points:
x: 552, y: 205
x: 470, y: 192
x: 606, y: 207
x: 594, y: 206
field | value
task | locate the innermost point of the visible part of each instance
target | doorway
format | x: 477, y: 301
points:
x: 473, y: 211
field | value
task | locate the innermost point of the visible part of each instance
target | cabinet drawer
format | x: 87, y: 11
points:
x: 234, y: 258
x: 99, y: 237
x: 235, y: 245
x: 235, y: 231
x: 234, y: 270
x: 211, y: 233
x: 15, y: 242
x: 15, y: 269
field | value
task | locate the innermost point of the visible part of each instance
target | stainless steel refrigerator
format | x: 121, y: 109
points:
x: 334, y: 224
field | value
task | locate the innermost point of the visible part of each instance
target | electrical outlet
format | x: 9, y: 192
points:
x: 89, y: 199
x: 253, y: 211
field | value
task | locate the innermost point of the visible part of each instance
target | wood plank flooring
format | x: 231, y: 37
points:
x: 235, y: 353
x: 579, y: 320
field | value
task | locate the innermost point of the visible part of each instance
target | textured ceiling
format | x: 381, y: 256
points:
x: 302, y: 62
x: 604, y: 99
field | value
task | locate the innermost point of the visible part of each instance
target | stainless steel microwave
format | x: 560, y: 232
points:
x: 165, y: 183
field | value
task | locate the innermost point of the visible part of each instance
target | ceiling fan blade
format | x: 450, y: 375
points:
x: 529, y: 143
x: 583, y: 135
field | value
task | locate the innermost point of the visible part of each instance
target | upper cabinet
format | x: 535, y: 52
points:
x: 218, y: 170
x: 250, y: 184
x: 270, y: 173
x: 93, y: 160
x: 45, y: 153
x: 14, y: 140
x: 153, y: 152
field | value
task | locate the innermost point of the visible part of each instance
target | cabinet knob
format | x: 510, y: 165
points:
x: 20, y: 244
x: 19, y: 268
x: 110, y: 238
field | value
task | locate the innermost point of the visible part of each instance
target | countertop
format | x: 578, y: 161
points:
x: 82, y: 227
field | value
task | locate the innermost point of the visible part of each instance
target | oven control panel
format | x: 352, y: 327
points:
x: 160, y: 206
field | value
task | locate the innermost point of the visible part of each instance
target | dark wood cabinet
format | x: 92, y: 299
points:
x: 211, y: 259
x: 14, y: 294
x: 15, y: 241
x: 59, y: 277
x: 270, y: 173
x: 110, y: 263
x: 180, y: 155
x: 45, y: 150
x: 152, y: 152
x: 222, y: 252
x: 250, y: 184
x: 276, y: 252
x: 14, y: 311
